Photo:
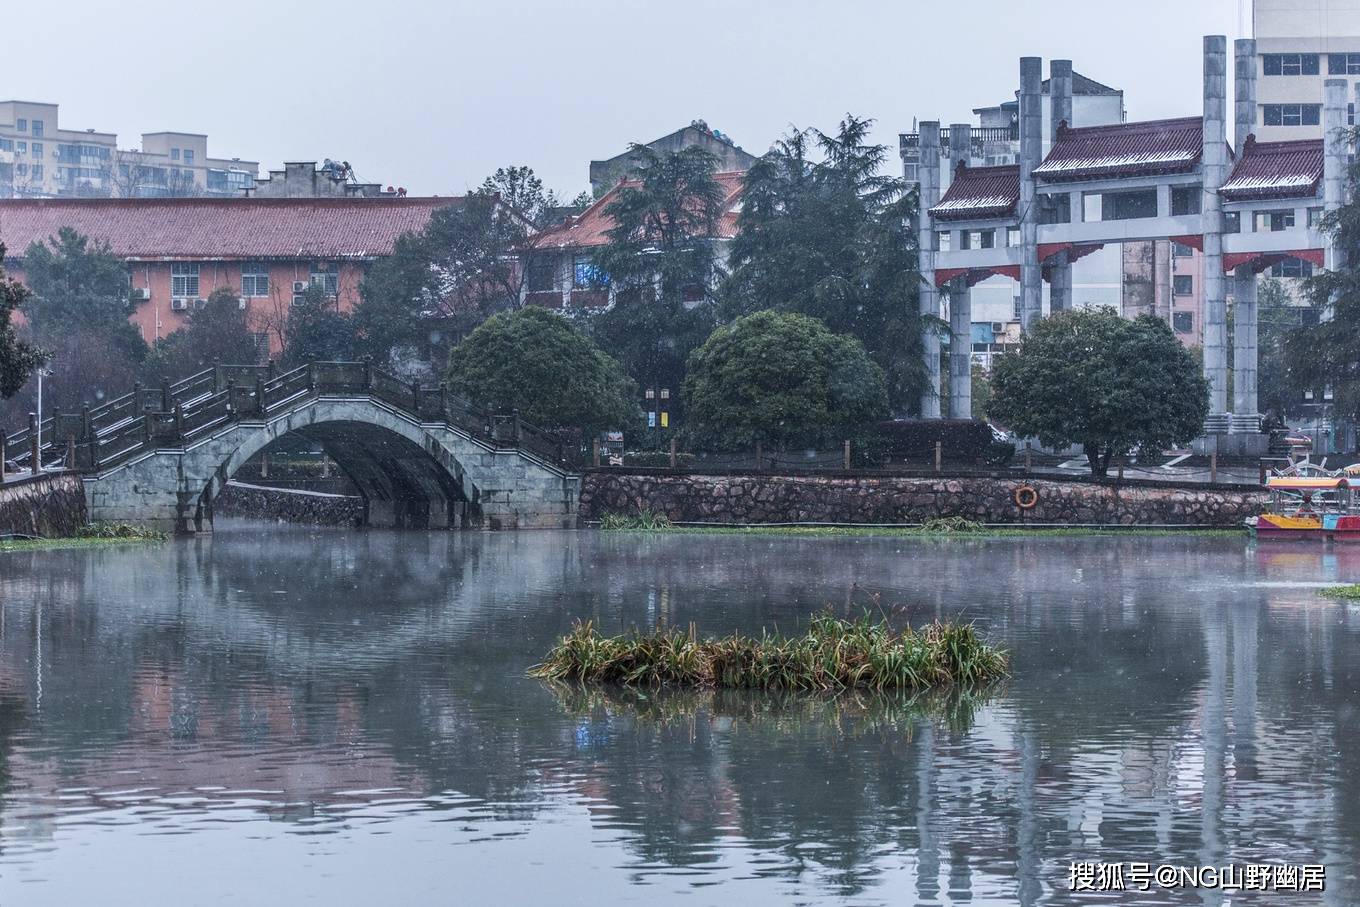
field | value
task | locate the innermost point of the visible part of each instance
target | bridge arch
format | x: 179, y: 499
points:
x: 406, y: 475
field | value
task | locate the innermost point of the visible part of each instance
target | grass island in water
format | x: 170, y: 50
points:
x: 831, y: 655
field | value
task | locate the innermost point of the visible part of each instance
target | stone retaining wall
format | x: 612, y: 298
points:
x: 894, y: 499
x: 260, y: 502
x: 50, y: 506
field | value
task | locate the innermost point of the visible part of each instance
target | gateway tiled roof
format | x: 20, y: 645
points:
x: 1275, y: 170
x: 1149, y: 148
x: 979, y: 193
x: 591, y: 228
x: 222, y: 228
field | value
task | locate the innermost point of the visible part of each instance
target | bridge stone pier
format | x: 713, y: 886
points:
x: 419, y: 457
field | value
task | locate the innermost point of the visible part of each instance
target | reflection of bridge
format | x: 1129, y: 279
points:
x: 421, y: 457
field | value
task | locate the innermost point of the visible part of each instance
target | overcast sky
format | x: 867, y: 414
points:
x: 435, y: 94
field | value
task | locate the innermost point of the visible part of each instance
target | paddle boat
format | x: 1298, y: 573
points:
x: 1308, y: 508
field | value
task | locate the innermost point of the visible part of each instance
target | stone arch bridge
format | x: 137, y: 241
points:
x: 420, y: 457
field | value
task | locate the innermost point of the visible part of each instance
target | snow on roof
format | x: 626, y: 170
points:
x: 1275, y: 170
x: 1149, y: 148
x: 980, y: 193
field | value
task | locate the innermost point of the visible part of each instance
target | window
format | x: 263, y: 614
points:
x: 325, y: 276
x: 1185, y: 200
x: 189, y: 156
x: 1181, y: 250
x: 977, y: 239
x: 1290, y: 64
x: 37, y: 149
x: 22, y: 147
x: 254, y: 279
x: 1273, y: 221
x: 944, y: 240
x: 1015, y: 309
x: 1314, y: 217
x: 22, y: 125
x: 583, y: 274
x: 1012, y: 236
x: 6, y: 145
x: 183, y: 279
x: 37, y: 171
x: 541, y: 275
x: 1183, y: 322
x: 1183, y: 285
x: 174, y: 154
x: 1293, y: 114
x: 1292, y: 267
x: 37, y: 128
x: 1055, y: 209
x: 1343, y: 64
x: 1232, y: 222
x: 1127, y: 205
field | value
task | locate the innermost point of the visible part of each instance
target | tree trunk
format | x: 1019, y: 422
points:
x: 1099, y: 465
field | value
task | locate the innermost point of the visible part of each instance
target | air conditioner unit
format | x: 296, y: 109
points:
x: 200, y: 303
x: 241, y: 304
x: 141, y: 293
x: 299, y: 300
x: 998, y: 327
x: 300, y: 286
x: 179, y: 305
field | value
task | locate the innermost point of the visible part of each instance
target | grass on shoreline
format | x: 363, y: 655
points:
x: 831, y: 655
x: 1351, y: 591
x: 93, y: 535
x: 942, y: 527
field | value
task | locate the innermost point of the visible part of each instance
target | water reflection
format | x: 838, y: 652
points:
x: 331, y: 695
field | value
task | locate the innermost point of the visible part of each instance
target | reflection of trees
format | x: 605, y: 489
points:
x: 13, y: 717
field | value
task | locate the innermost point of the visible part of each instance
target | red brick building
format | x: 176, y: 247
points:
x: 266, y: 250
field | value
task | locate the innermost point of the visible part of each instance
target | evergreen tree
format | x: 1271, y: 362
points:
x: 217, y: 332
x: 18, y: 359
x: 822, y: 232
x: 661, y: 264
x: 520, y: 188
x: 317, y: 329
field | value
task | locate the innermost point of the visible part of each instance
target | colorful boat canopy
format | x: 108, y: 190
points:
x: 1306, y: 483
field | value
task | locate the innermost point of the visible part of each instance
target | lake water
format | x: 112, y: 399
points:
x: 290, y: 716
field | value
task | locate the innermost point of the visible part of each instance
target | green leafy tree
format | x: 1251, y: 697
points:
x: 217, y: 332
x: 520, y: 188
x: 823, y: 232
x: 18, y: 359
x: 1091, y: 377
x: 539, y: 363
x: 444, y: 280
x: 317, y: 329
x: 661, y: 264
x: 781, y: 378
x: 1278, y: 393
x: 78, y: 313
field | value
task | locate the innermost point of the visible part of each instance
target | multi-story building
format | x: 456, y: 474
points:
x: 304, y: 179
x: 269, y: 252
x: 1299, y: 45
x: 39, y: 159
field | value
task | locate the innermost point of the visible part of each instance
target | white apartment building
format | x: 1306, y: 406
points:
x: 39, y: 159
x: 1300, y: 44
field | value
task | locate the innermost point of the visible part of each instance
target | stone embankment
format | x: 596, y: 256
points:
x: 49, y: 506
x: 753, y: 499
x: 260, y: 502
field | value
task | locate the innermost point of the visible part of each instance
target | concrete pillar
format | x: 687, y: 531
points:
x: 1334, y: 153
x: 1163, y: 267
x: 1214, y: 168
x: 928, y: 302
x: 1031, y: 146
x: 960, y: 349
x: 1246, y: 419
x: 960, y: 146
x: 1244, y: 91
x: 1060, y: 112
x: 1059, y: 96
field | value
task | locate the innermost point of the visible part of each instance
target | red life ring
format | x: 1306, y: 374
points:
x: 1025, y: 497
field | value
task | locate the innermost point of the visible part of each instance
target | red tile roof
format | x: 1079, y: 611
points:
x: 979, y: 193
x: 1275, y: 170
x: 222, y: 228
x: 591, y: 227
x: 1149, y: 148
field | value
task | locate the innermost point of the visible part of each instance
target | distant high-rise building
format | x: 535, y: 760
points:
x: 40, y: 159
x: 1300, y: 44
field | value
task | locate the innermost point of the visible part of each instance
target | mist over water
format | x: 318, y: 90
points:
x: 280, y: 716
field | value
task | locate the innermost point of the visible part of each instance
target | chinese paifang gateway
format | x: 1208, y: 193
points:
x: 1314, y: 508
